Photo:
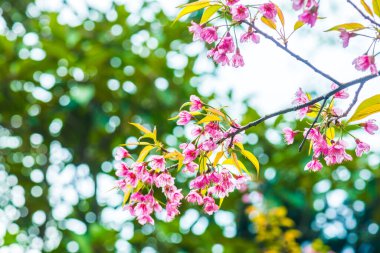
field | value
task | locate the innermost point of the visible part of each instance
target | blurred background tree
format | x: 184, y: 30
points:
x: 68, y: 91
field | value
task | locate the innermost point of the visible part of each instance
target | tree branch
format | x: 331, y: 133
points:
x: 362, y: 13
x: 312, y: 125
x: 361, y: 80
x: 353, y: 101
x: 294, y: 55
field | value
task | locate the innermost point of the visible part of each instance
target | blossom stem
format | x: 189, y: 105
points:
x: 362, y: 13
x: 296, y: 56
x: 353, y: 101
x: 312, y: 125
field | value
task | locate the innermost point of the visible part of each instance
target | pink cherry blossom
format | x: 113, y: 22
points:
x: 237, y: 59
x: 254, y: 37
x: 193, y: 197
x: 239, y: 12
x: 171, y: 210
x: 314, y: 165
x: 163, y: 180
x: 337, y: 153
x: 131, y: 179
x: 196, y: 30
x: 361, y: 148
x: 213, y: 130
x: 208, y: 145
x: 144, y: 219
x: 370, y: 126
x: 121, y: 153
x: 141, y: 172
x: 190, y: 152
x: 221, y: 59
x: 364, y: 62
x: 184, y: 118
x: 196, y: 103
x: 345, y: 36
x: 340, y: 94
x: 298, y: 4
x: 157, y: 163
x: 209, y: 35
x: 231, y: 2
x: 301, y: 98
x: 226, y: 45
x: 196, y: 131
x: 191, y: 167
x: 209, y: 205
x: 199, y: 182
x: 121, y: 169
x: 309, y: 16
x: 268, y: 10
x: 289, y: 135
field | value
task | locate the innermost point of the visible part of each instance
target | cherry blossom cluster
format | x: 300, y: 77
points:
x: 226, y: 50
x: 321, y: 136
x: 210, y: 158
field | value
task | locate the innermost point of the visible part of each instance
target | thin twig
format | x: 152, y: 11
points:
x: 362, y: 13
x: 312, y: 125
x: 361, y: 80
x: 296, y: 56
x: 353, y: 101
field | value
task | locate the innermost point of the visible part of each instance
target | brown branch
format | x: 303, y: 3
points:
x: 362, y: 13
x: 294, y: 55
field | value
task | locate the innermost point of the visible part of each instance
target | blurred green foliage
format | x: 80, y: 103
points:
x: 67, y: 95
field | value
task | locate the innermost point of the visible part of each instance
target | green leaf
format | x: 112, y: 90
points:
x: 192, y: 7
x: 208, y: 118
x: 207, y: 14
x: 144, y: 152
x: 366, y: 7
x: 366, y: 108
x: 252, y: 158
x: 269, y: 23
x: 347, y: 26
x: 376, y: 7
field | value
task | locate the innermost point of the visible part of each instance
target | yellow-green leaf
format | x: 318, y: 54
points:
x: 231, y: 161
x: 310, y: 147
x: 209, y: 118
x: 252, y: 158
x: 220, y: 202
x: 376, y: 7
x: 330, y: 134
x: 239, y: 145
x: 366, y: 7
x: 366, y: 108
x: 126, y: 196
x: 217, y: 158
x: 192, y: 7
x: 141, y: 128
x: 280, y: 15
x: 136, y: 144
x: 347, y: 26
x: 298, y: 25
x: 207, y: 14
x: 269, y: 23
x: 144, y: 152
x: 216, y: 112
x: 236, y: 161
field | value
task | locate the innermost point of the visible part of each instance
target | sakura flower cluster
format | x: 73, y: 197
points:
x: 209, y: 159
x: 309, y: 10
x: 321, y: 136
